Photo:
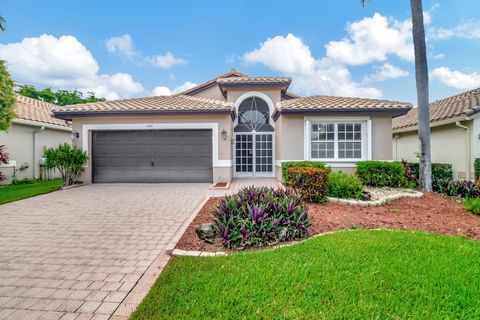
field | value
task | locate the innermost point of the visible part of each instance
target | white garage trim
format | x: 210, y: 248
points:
x: 159, y: 126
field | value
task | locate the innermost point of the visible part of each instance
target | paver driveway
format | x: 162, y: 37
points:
x: 76, y: 254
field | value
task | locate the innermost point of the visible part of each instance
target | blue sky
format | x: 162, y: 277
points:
x: 129, y: 48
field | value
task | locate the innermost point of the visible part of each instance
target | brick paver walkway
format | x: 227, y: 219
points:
x: 78, y: 253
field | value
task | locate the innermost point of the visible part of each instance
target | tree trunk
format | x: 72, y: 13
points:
x: 421, y: 76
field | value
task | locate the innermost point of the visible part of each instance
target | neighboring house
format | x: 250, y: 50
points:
x: 455, y: 133
x: 33, y: 130
x: 231, y: 126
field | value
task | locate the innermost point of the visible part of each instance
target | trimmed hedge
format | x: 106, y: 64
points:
x: 440, y: 171
x: 381, y: 173
x: 344, y: 186
x: 301, y: 164
x: 476, y: 166
x: 312, y: 183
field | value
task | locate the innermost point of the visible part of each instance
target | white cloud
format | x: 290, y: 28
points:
x: 373, y: 39
x: 122, y: 45
x: 456, y: 79
x: 286, y: 54
x: 162, y: 91
x: 165, y: 61
x: 332, y: 78
x: 290, y: 55
x: 467, y: 30
x: 165, y: 91
x: 185, y: 86
x: 385, y: 72
x: 64, y: 62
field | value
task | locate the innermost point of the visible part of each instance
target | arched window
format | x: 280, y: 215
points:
x: 253, y: 114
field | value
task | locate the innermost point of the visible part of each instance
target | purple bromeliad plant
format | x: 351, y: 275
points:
x: 258, y: 216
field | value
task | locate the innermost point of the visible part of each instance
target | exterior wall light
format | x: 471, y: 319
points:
x: 224, y: 134
x: 74, y: 135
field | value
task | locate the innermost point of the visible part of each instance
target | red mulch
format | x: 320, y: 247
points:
x: 433, y: 213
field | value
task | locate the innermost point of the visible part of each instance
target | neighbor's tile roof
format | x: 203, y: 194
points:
x: 330, y: 103
x: 35, y: 110
x: 160, y: 104
x: 255, y: 80
x: 463, y: 104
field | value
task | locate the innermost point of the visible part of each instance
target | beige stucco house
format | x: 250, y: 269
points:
x: 455, y: 133
x: 231, y: 126
x: 33, y: 130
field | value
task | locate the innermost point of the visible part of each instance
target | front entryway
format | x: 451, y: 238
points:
x: 254, y: 154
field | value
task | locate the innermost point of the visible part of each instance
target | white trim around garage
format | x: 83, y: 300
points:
x: 158, y: 126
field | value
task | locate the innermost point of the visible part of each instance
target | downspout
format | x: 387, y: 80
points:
x: 468, y: 147
x: 395, y: 138
x: 34, y: 164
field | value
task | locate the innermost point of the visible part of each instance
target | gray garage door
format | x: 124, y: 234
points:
x: 152, y: 156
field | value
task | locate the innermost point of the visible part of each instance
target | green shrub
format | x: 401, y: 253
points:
x: 381, y: 173
x: 312, y: 183
x: 440, y: 171
x: 260, y: 216
x: 25, y: 181
x: 472, y: 204
x: 301, y: 164
x: 476, y: 166
x: 344, y: 186
x: 68, y: 160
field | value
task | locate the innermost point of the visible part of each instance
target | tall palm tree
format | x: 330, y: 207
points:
x: 3, y: 23
x: 421, y: 77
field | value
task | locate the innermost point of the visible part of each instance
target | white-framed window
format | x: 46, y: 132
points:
x: 329, y: 140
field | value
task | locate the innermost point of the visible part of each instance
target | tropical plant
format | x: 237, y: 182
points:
x: 68, y: 160
x: 312, y: 183
x: 344, y: 186
x: 421, y: 77
x: 7, y: 98
x: 456, y: 188
x: 258, y: 216
x: 3, y: 160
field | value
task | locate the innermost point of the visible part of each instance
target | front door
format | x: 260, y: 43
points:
x: 254, y: 154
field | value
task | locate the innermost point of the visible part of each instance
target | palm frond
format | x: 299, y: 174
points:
x: 3, y: 24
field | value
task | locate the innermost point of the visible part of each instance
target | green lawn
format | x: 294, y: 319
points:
x: 14, y: 192
x: 346, y: 275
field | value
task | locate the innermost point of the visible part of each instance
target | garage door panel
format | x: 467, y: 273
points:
x: 178, y: 156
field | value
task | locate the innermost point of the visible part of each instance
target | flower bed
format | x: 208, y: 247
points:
x: 434, y: 213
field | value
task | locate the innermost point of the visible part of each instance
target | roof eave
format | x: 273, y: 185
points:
x: 392, y: 112
x: 437, y: 123
x: 65, y: 115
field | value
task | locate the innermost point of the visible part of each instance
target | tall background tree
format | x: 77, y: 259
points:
x: 7, y: 98
x: 421, y: 77
x: 59, y: 97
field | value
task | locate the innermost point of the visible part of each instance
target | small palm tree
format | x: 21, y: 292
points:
x: 421, y: 77
x: 3, y: 23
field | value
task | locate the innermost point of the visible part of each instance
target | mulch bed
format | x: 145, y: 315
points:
x: 433, y: 213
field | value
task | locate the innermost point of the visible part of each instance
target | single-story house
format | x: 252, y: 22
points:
x: 231, y: 126
x: 33, y: 130
x: 454, y: 135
